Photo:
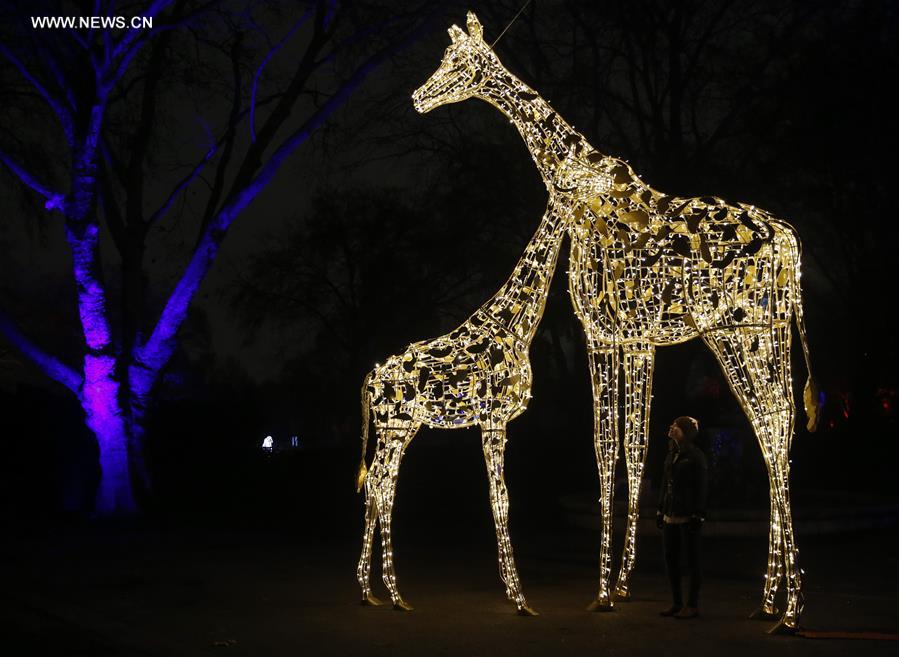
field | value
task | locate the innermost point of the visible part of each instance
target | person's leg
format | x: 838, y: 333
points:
x: 671, y: 539
x: 693, y: 546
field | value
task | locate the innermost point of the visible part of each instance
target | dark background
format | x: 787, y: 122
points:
x: 389, y: 227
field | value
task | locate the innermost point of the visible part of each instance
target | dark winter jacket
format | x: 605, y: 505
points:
x: 685, y: 482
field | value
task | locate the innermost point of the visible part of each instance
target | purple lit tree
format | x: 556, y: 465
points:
x: 101, y: 87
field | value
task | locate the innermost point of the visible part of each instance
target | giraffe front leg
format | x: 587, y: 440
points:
x: 638, y: 368
x: 363, y: 571
x: 494, y: 442
x: 604, y: 378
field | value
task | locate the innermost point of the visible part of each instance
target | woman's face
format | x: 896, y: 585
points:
x: 675, y: 433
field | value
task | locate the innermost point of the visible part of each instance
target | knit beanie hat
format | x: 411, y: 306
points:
x: 689, y: 426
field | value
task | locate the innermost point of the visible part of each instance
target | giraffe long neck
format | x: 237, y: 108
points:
x: 547, y: 136
x: 519, y: 304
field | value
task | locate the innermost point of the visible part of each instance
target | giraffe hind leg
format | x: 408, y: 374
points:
x: 768, y: 610
x: 391, y: 445
x: 789, y: 622
x: 363, y: 571
x: 757, y: 365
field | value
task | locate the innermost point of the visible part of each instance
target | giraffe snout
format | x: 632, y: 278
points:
x: 418, y: 101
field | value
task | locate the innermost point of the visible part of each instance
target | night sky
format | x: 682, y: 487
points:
x: 386, y: 226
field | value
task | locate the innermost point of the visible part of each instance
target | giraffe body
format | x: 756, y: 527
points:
x: 648, y: 270
x: 667, y: 271
x: 477, y: 371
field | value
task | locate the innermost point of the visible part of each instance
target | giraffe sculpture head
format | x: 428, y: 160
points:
x: 462, y: 72
x: 470, y: 69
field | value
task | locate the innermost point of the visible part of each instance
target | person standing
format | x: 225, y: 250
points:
x: 681, y: 512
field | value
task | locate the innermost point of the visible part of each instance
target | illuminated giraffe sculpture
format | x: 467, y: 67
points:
x: 478, y: 374
x: 647, y: 270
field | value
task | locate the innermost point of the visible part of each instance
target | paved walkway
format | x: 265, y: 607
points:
x: 252, y: 593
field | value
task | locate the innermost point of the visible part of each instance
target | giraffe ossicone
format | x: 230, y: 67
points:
x: 646, y: 269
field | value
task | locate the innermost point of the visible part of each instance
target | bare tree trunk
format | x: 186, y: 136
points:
x: 100, y: 393
x: 104, y: 417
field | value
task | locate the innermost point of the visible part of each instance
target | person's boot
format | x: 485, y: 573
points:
x: 671, y: 611
x: 687, y: 612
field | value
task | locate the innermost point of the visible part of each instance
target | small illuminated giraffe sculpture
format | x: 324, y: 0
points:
x: 478, y: 374
x: 648, y: 270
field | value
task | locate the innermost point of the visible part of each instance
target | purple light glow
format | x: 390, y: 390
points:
x: 100, y: 400
x: 100, y: 392
x: 91, y: 296
x: 55, y: 202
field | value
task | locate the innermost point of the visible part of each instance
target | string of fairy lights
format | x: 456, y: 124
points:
x: 646, y: 270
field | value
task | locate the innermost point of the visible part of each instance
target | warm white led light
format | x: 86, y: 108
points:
x: 647, y: 270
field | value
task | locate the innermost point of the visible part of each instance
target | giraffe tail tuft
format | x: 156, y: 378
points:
x: 360, y: 476
x: 366, y: 403
x: 812, y: 405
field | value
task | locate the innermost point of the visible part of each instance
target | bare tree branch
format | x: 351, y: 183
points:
x: 54, y: 199
x: 58, y: 107
x: 271, y: 53
x: 158, y: 348
x: 121, y: 50
x: 49, y: 365
x: 182, y: 185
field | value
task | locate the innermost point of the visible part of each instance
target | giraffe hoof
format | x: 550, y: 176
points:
x: 600, y: 606
x: 527, y: 611
x: 783, y: 628
x: 763, y: 614
x: 401, y: 605
x: 622, y: 595
x: 370, y: 601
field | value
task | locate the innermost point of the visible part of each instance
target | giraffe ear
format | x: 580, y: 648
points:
x: 474, y: 26
x: 457, y: 34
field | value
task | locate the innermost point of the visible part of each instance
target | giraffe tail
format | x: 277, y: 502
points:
x: 366, y: 404
x: 810, y: 396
